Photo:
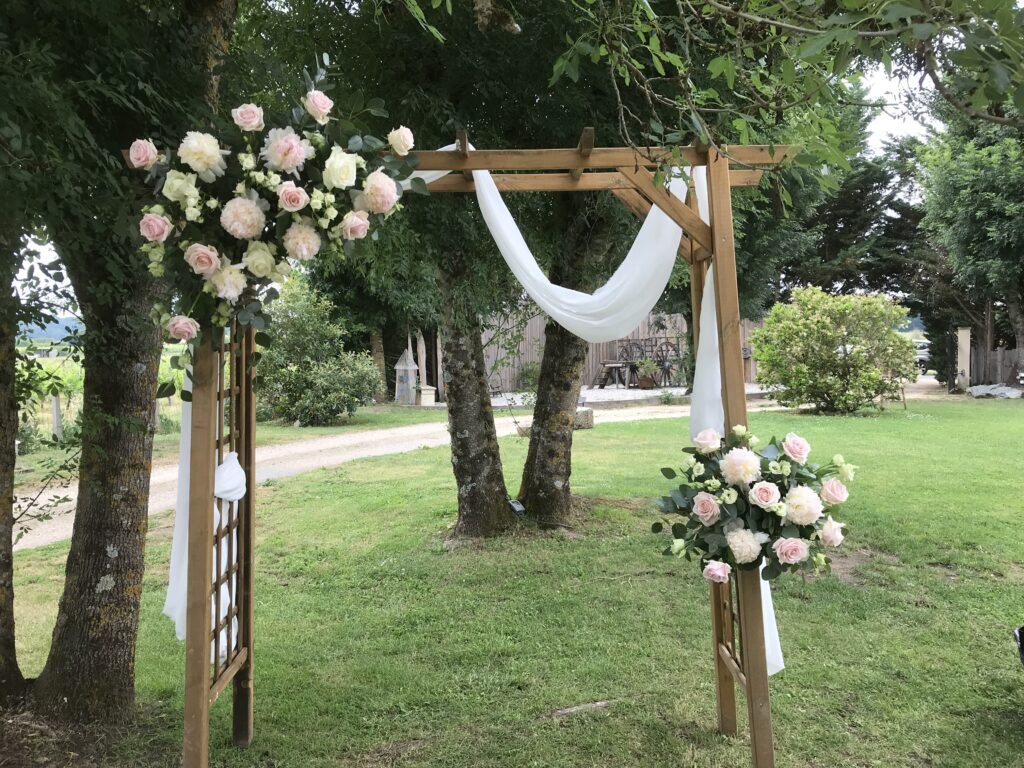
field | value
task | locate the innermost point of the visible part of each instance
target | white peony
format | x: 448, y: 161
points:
x: 286, y: 151
x: 744, y: 545
x: 229, y: 281
x: 803, y: 505
x: 740, y: 466
x: 202, y: 153
x: 243, y: 218
x: 259, y: 259
x: 180, y: 187
x: 301, y: 241
x: 341, y: 168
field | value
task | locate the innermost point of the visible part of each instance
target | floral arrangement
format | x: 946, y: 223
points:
x: 743, y: 506
x: 236, y: 208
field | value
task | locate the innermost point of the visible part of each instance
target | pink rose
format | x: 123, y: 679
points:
x: 203, y: 259
x: 796, y: 447
x: 705, y: 508
x: 380, y: 191
x: 764, y: 494
x: 318, y: 105
x: 707, y: 441
x: 717, y: 571
x: 832, y: 532
x: 834, y: 492
x: 142, y: 154
x: 155, y: 227
x: 248, y: 117
x: 354, y: 225
x: 291, y: 197
x: 183, y: 328
x: 791, y: 551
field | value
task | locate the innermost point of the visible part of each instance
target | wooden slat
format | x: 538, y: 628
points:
x: 755, y: 668
x: 724, y: 686
x: 726, y: 656
x: 230, y: 673
x: 535, y: 182
x: 599, y: 157
x: 586, y: 146
x: 643, y: 181
x: 200, y: 561
x: 745, y: 178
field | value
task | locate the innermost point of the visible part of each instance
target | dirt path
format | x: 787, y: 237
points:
x: 294, y: 458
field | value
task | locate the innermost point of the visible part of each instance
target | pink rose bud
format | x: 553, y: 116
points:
x: 796, y: 447
x: 318, y: 105
x: 834, y: 492
x: 717, y: 571
x: 705, y: 508
x: 764, y: 494
x: 248, y: 117
x: 203, y: 259
x: 354, y: 225
x: 380, y: 191
x: 142, y: 154
x: 832, y: 532
x: 707, y: 441
x: 791, y: 551
x: 291, y: 197
x: 183, y: 328
x: 155, y: 227
x: 401, y: 141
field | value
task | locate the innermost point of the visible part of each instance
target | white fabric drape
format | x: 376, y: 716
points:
x: 708, y: 412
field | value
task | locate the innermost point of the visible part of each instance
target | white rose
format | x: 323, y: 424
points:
x: 341, y: 168
x: 401, y: 141
x: 179, y: 187
x: 202, y: 153
x: 259, y: 259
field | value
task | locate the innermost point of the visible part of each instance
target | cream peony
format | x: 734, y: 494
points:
x: 318, y: 104
x: 259, y: 259
x: 142, y: 154
x: 796, y: 447
x: 717, y: 571
x: 301, y: 241
x: 291, y: 197
x: 380, y: 192
x: 229, y: 281
x: 180, y: 187
x: 744, y: 545
x: 243, y: 218
x: 401, y: 141
x: 803, y: 506
x: 155, y: 228
x: 341, y: 168
x: 248, y: 117
x: 791, y: 551
x: 203, y: 259
x: 832, y: 532
x: 707, y: 441
x: 354, y: 225
x: 705, y: 508
x: 202, y: 153
x: 834, y: 492
x: 764, y: 494
x: 740, y: 466
x: 286, y: 151
x: 182, y: 328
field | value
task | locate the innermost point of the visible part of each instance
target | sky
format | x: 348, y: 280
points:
x: 892, y: 121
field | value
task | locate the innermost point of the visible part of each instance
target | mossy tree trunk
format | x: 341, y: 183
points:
x: 12, y: 683
x: 545, y: 489
x: 476, y: 457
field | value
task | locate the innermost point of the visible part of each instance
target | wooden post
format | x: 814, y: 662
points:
x: 754, y: 672
x: 721, y: 634
x: 242, y: 692
x: 200, y: 553
x: 57, y: 429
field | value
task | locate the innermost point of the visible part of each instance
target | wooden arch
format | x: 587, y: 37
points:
x: 223, y: 418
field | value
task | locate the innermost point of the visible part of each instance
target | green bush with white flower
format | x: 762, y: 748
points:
x: 743, y: 506
x: 237, y: 206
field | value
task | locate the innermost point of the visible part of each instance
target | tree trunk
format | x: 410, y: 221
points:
x: 545, y: 490
x: 377, y: 352
x: 12, y: 683
x: 90, y: 671
x: 1015, y: 309
x: 476, y: 458
x: 214, y: 21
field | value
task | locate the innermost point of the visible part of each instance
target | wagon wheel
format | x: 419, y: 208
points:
x: 666, y: 356
x: 630, y: 353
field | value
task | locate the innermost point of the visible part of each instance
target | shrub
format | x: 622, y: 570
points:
x: 529, y: 377
x: 306, y: 375
x: 30, y: 437
x: 836, y: 353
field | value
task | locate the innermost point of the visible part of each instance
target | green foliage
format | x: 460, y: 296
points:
x: 529, y: 376
x: 836, y: 353
x: 305, y: 375
x: 30, y: 437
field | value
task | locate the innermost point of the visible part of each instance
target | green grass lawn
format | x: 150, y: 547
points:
x: 376, y: 646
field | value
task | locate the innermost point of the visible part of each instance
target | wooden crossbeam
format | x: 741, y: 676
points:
x: 599, y: 157
x: 643, y: 181
x: 585, y: 147
x: 562, y: 182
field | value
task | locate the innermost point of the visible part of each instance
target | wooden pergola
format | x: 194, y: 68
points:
x: 223, y: 418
